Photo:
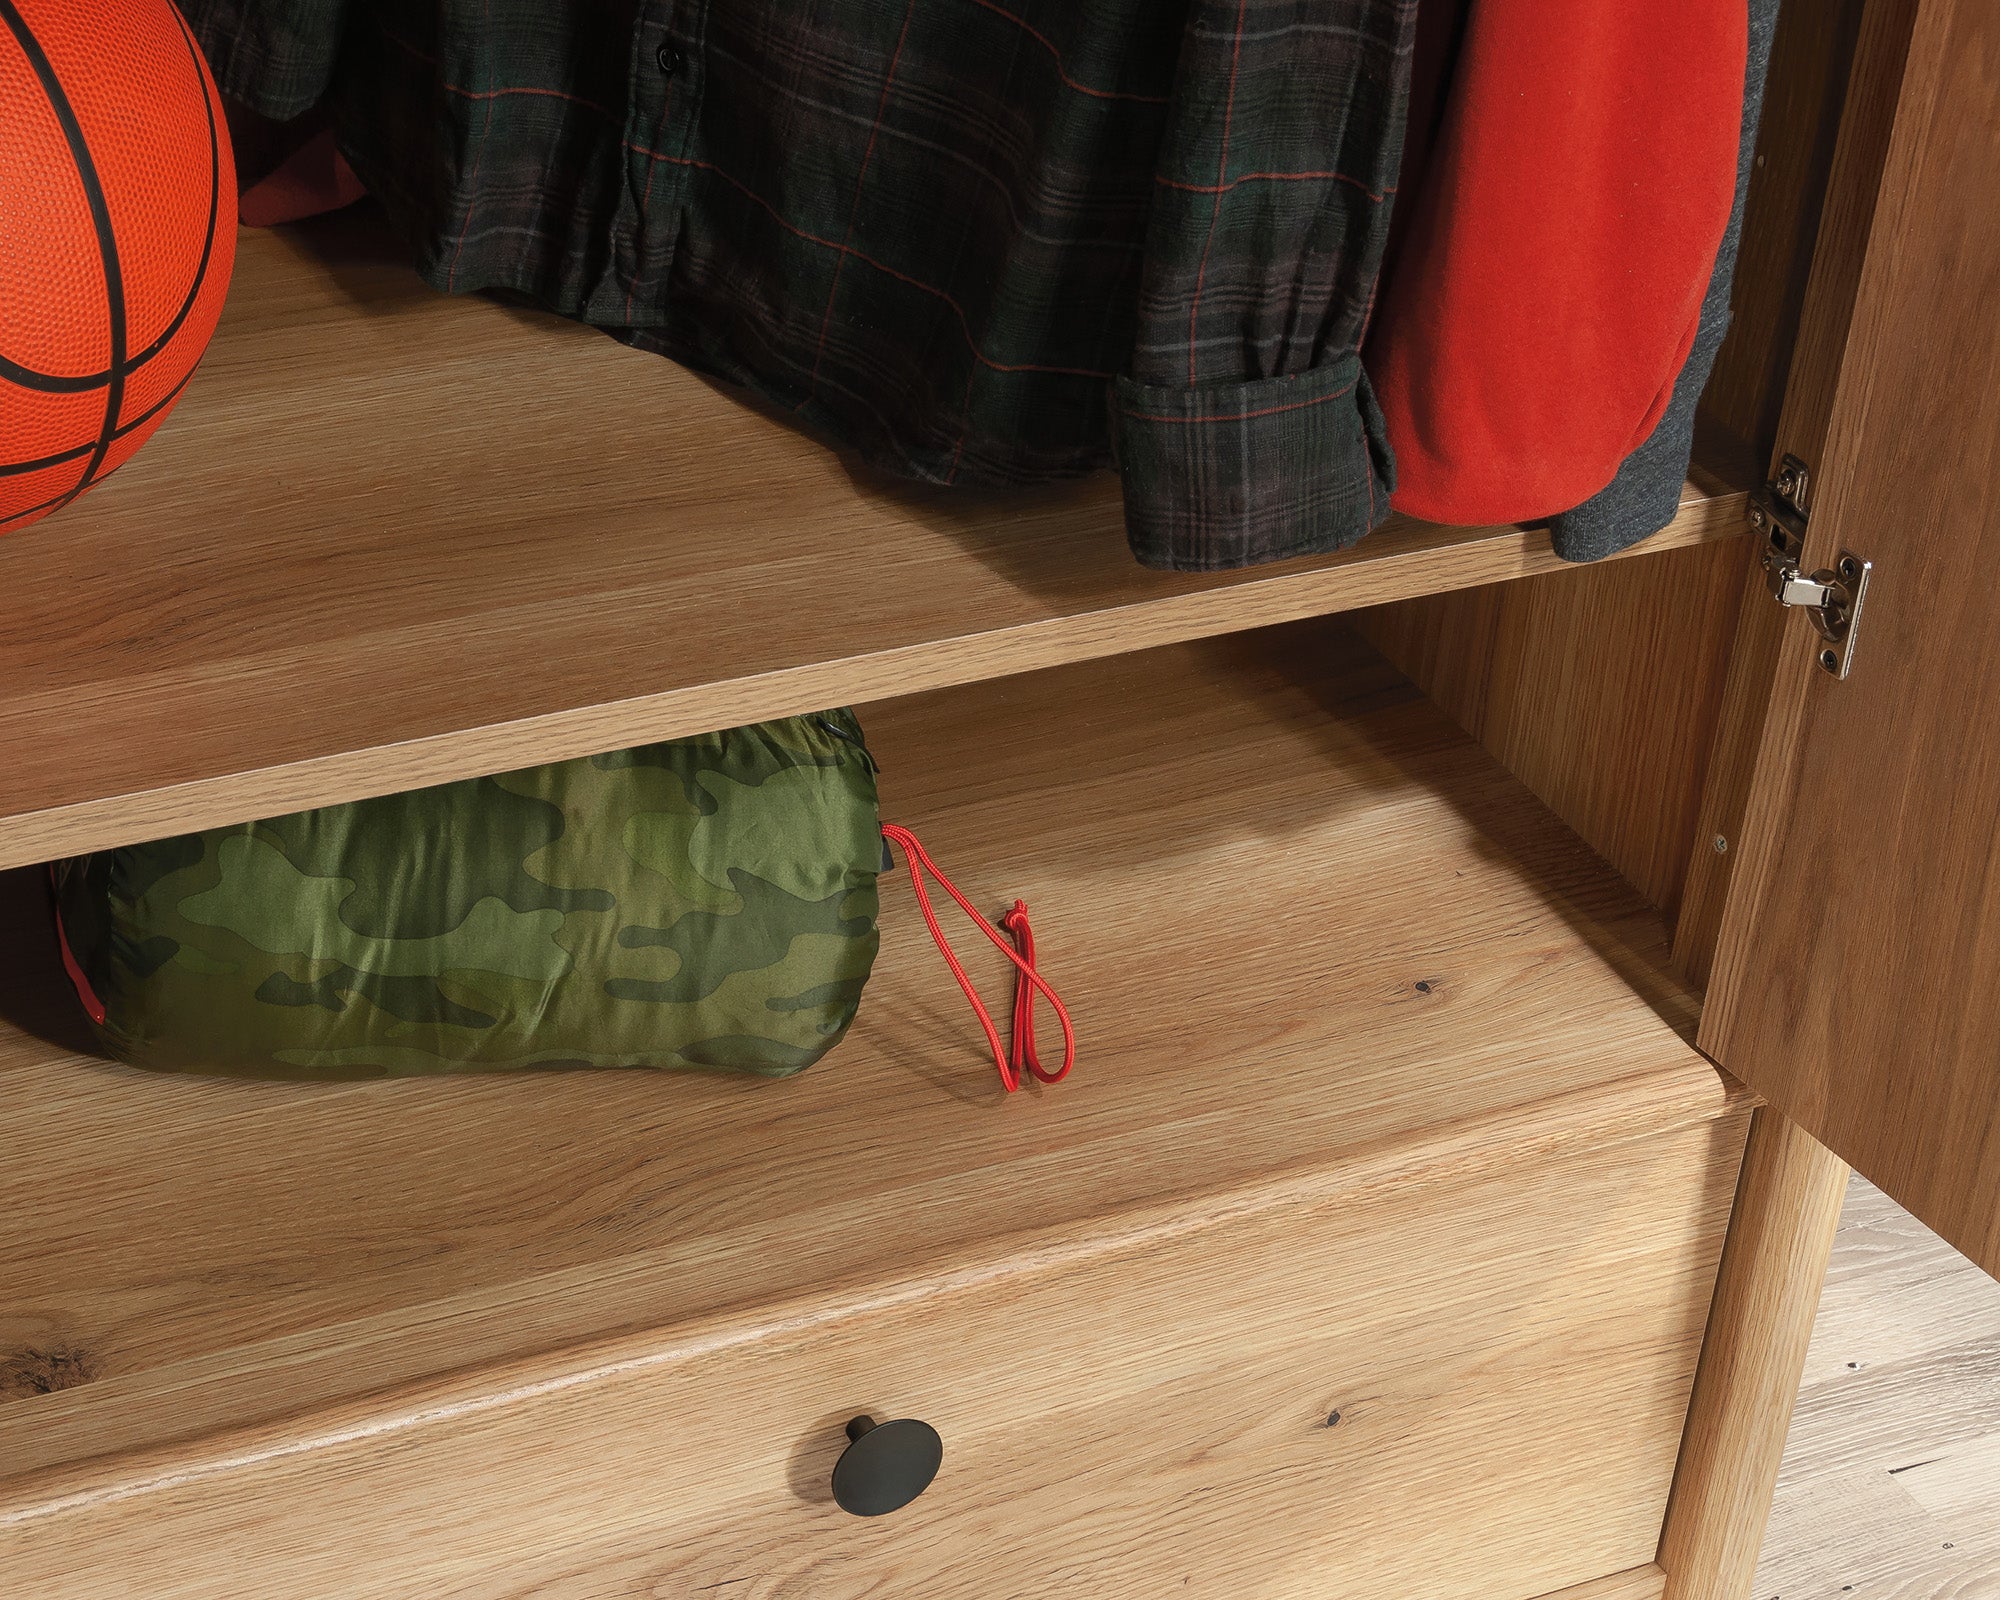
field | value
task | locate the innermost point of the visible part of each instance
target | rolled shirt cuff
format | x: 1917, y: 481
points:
x: 1240, y: 474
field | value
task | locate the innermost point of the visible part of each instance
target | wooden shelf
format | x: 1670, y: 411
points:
x: 390, y: 538
x: 1316, y: 941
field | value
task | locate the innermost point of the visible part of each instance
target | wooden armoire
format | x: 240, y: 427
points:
x: 1485, y: 969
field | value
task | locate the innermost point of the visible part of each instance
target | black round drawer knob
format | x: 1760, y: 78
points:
x: 886, y: 1465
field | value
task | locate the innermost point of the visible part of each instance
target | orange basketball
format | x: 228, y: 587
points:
x: 117, y: 233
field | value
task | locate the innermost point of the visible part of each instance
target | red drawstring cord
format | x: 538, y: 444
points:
x: 1027, y: 981
x: 93, y: 1007
x: 1016, y: 923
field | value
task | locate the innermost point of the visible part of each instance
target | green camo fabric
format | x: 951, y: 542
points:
x: 702, y: 903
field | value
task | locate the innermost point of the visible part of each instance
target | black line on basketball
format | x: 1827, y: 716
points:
x: 100, y: 217
x: 35, y: 510
x: 52, y: 383
x: 214, y: 200
x: 83, y: 383
x: 14, y: 469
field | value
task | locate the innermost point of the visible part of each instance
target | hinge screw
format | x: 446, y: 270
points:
x: 1721, y: 845
x: 1830, y: 659
x: 1849, y: 569
x: 1791, y: 484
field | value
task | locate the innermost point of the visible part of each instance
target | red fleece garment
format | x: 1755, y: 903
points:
x: 1548, y: 278
x: 313, y: 178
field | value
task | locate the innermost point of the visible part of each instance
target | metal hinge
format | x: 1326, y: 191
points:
x: 1833, y: 596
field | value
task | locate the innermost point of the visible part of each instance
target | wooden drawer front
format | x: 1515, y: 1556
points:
x: 1138, y: 1414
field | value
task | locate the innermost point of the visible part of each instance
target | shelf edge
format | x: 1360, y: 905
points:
x: 1367, y: 579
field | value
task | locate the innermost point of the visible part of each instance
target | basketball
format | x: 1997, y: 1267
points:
x: 117, y: 234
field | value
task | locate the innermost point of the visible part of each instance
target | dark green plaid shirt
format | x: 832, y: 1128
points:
x: 970, y: 240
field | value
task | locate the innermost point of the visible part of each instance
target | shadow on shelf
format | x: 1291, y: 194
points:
x: 1061, y: 542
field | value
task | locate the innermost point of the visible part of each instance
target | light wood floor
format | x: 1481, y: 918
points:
x: 1890, y: 1488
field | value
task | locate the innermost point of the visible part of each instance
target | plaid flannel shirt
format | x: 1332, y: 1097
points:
x: 969, y: 240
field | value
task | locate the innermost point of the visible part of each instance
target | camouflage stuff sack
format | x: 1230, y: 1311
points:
x: 702, y: 903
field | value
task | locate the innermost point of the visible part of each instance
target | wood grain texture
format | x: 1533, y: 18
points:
x: 1145, y: 1420
x: 1820, y: 146
x: 1858, y: 181
x: 1813, y: 365
x: 1598, y: 687
x: 1856, y: 995
x: 1320, y: 947
x: 1639, y: 1583
x: 1741, y: 715
x: 1891, y: 1478
x: 390, y: 538
x: 1787, y: 1206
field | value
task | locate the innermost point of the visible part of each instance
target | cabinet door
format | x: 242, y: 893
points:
x: 1857, y: 983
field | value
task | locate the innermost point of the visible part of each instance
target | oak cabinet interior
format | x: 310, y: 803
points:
x: 1392, y: 1235
x: 1386, y: 1110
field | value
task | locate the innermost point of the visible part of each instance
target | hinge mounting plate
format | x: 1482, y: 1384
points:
x: 1833, y: 596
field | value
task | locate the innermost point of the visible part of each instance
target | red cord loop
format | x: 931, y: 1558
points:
x: 1027, y: 981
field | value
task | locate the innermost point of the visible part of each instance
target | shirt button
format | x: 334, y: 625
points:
x: 669, y: 59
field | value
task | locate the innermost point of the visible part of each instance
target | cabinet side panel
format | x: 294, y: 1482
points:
x: 1845, y: 219
x: 1603, y: 692
x: 1599, y: 688
x: 1810, y: 60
